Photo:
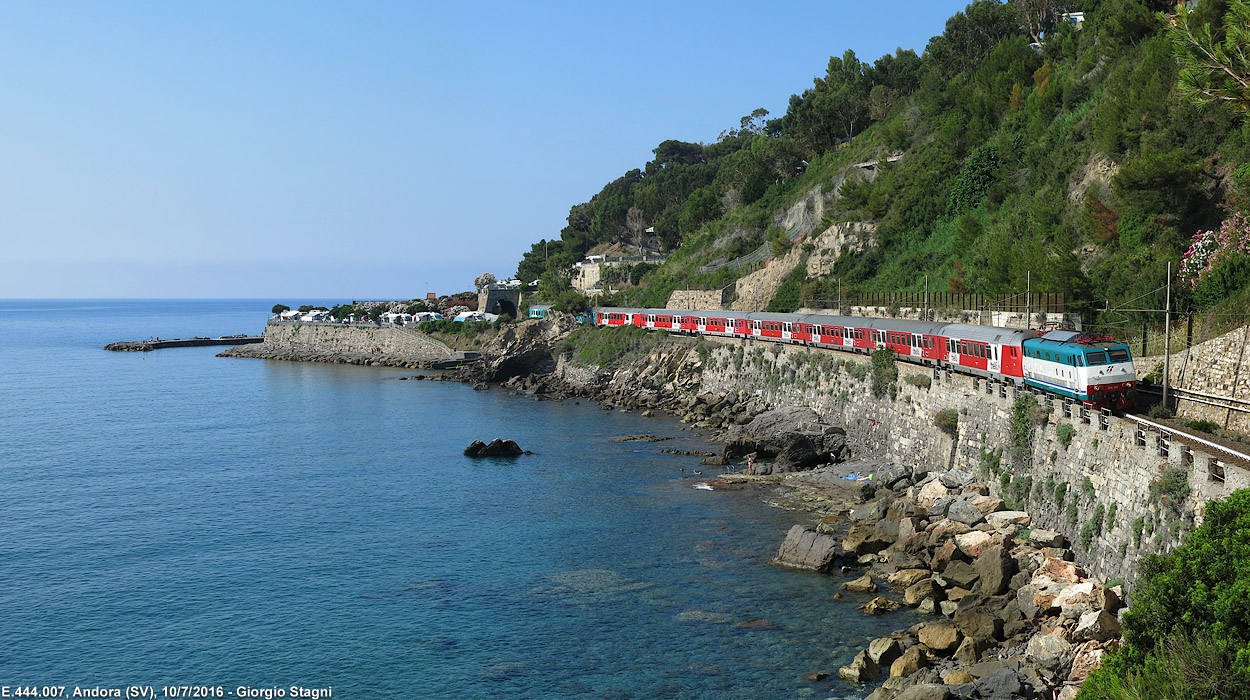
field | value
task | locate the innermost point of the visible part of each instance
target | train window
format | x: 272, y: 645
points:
x: 1118, y: 355
x: 1097, y: 358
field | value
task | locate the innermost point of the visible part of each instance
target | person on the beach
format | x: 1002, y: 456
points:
x: 751, y: 464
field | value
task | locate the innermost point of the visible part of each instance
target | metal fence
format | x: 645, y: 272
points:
x: 763, y: 252
x: 1049, y: 303
x: 1188, y: 330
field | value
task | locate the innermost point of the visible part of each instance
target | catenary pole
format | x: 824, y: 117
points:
x: 1167, y: 339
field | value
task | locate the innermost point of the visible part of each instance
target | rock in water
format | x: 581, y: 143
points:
x: 805, y: 548
x: 496, y: 448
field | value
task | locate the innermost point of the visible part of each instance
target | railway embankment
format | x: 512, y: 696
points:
x: 1114, y: 490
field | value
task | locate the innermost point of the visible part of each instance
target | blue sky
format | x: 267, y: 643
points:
x: 364, y: 150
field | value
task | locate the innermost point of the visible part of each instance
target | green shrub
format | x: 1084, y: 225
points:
x: 1138, y: 524
x: 607, y: 347
x: 923, y: 381
x: 1187, y: 634
x: 1160, y: 411
x: 1088, y: 487
x: 857, y: 370
x: 947, y: 420
x: 1111, y: 516
x: 1065, y: 432
x: 1093, y: 527
x: 1061, y: 491
x: 1205, y: 426
x: 884, y: 371
x: 1170, y: 487
x: 1022, y: 428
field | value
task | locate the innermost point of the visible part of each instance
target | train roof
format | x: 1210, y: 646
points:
x: 960, y: 331
x: 987, y: 334
x: 1076, y: 340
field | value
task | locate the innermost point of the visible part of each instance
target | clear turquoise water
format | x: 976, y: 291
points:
x: 177, y: 518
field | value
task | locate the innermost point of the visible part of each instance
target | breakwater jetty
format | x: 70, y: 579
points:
x: 149, y: 345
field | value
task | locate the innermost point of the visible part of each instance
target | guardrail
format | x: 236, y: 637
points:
x: 1167, y: 432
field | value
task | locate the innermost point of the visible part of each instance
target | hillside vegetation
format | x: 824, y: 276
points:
x: 1085, y: 167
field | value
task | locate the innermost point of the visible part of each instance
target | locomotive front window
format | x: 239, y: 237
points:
x: 1097, y: 358
x: 1119, y: 355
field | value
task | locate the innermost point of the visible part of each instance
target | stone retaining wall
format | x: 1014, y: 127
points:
x: 1099, y: 468
x: 1219, y: 367
x: 354, y: 340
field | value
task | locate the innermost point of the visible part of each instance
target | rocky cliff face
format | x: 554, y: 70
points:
x: 523, y: 349
x: 754, y: 291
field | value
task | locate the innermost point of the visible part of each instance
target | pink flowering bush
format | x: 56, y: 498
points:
x: 1213, y: 254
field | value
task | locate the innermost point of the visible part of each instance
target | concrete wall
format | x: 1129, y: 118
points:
x: 366, y: 340
x: 1118, y: 470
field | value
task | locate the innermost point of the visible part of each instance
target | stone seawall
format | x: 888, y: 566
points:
x: 1097, y: 490
x: 331, y: 338
x: 371, y: 345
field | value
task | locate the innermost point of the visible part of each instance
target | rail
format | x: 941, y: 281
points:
x: 1198, y: 397
x: 1187, y: 437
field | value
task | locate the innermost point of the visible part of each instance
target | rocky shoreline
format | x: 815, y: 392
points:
x: 1012, y: 616
x: 263, y: 351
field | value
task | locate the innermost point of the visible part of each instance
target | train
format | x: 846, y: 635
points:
x: 1094, y: 370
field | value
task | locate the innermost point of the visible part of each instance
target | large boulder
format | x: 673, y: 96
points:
x: 1076, y: 594
x: 1098, y: 626
x: 880, y: 606
x: 863, y: 584
x: 931, y: 492
x: 1003, y: 684
x: 1003, y: 518
x: 973, y: 543
x: 805, y: 548
x: 869, y: 538
x: 995, y: 568
x: 962, y: 511
x: 961, y: 574
x: 1051, y: 654
x: 919, y: 591
x: 794, y: 435
x: 861, y: 669
x: 1057, y: 569
x: 1086, y: 658
x: 904, y: 578
x: 915, y: 658
x: 1046, y: 538
x: 956, y: 479
x: 496, y: 448
x: 942, y: 636
x: 978, y: 625
x: 884, y: 650
x: 944, y: 555
x: 987, y: 504
x: 925, y: 691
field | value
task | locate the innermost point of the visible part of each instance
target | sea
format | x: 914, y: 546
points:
x: 173, y: 520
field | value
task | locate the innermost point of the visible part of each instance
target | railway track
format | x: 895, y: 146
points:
x: 1224, y: 451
